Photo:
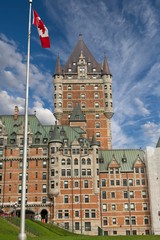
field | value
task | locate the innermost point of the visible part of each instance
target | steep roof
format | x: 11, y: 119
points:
x: 126, y: 164
x: 74, y: 57
x: 158, y: 143
x: 77, y: 114
x: 58, y: 69
x: 105, y: 66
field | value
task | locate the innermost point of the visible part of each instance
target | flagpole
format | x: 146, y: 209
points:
x: 22, y: 234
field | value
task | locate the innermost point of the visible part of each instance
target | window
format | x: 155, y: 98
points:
x: 0, y: 176
x: 113, y: 195
x: 76, y: 225
x: 76, y: 199
x: 75, y: 161
x: 131, y: 194
x: 60, y: 214
x: 83, y: 172
x: 87, y: 226
x: 69, y: 105
x: 126, y: 206
x: 85, y: 183
x: 76, y: 184
x: 66, y: 199
x: 44, y: 175
x: 143, y: 181
x: 144, y: 194
x: 87, y: 213
x: 69, y: 87
x: 76, y: 214
x: 104, y: 195
x: 20, y: 176
x: 97, y: 116
x: 44, y: 163
x: 52, y: 184
x: 96, y: 95
x: 52, y: 172
x: 124, y: 182
x: 146, y: 220
x: 66, y: 213
x: 145, y: 206
x: 75, y: 172
x: 88, y: 161
x: 44, y: 188
x: 63, y: 172
x: 104, y: 207
x: 132, y: 206
x: 103, y: 182
x: 112, y: 182
x: 114, y: 221
x: 44, y: 200
x: 130, y: 182
x: 111, y: 171
x: 86, y: 198
x: 68, y: 161
x: 93, y: 213
x: 82, y: 87
x: 126, y: 220
x: 83, y: 96
x: 142, y: 170
x: 1, y: 165
x: 98, y: 134
x: 97, y: 125
x: 10, y: 175
x: 96, y: 87
x: 63, y: 161
x: 96, y: 105
x: 117, y: 182
x: 137, y: 182
x: 125, y: 194
x: 19, y: 189
x: 65, y: 184
x: 105, y: 221
x: 83, y: 161
x: 68, y: 172
x: 133, y: 220
x: 113, y: 207
x: 69, y: 96
x: 88, y: 172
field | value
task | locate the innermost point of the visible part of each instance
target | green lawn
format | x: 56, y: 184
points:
x: 49, y: 232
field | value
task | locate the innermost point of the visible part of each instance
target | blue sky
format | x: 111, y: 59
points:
x: 129, y: 31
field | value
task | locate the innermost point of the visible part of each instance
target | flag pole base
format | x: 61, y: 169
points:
x: 22, y: 236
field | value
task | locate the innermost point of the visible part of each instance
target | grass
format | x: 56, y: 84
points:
x: 49, y: 232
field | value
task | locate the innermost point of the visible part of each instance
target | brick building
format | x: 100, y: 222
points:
x: 74, y: 178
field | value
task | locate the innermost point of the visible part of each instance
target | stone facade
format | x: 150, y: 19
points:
x: 74, y: 178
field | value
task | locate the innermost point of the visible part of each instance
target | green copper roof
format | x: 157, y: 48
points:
x: 77, y: 114
x: 126, y: 158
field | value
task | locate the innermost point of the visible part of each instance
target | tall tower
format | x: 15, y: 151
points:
x: 85, y: 82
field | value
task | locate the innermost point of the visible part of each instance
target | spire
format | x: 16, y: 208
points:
x: 77, y: 114
x: 94, y: 142
x: 158, y: 143
x: 58, y: 69
x: 105, y: 70
x: 55, y: 135
x: 76, y: 53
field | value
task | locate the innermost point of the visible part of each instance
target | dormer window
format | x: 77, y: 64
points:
x: 89, y: 63
x: 69, y: 70
x: 94, y: 69
x: 74, y: 63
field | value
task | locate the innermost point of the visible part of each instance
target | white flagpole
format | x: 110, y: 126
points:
x: 22, y: 235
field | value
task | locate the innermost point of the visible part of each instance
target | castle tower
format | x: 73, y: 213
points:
x: 86, y: 82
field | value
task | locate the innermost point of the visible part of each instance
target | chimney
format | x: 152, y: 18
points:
x: 16, y: 112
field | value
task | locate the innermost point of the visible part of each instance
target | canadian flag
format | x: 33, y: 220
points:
x: 42, y: 30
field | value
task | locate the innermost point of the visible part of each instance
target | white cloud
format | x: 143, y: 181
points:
x: 152, y: 131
